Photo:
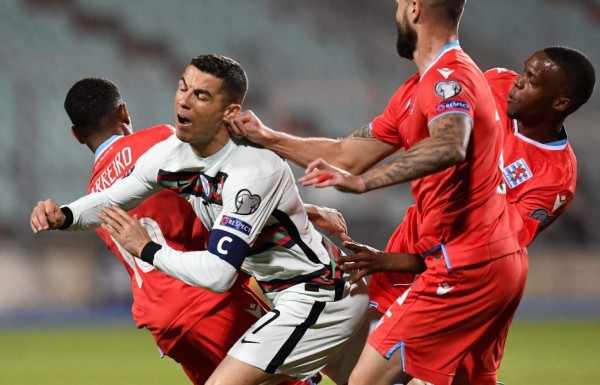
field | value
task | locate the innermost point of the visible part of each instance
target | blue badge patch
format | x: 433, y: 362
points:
x: 452, y: 104
x: 516, y: 173
x: 236, y: 224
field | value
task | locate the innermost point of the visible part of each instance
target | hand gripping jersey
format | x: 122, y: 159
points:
x: 166, y: 306
x: 540, y: 178
x: 461, y: 213
x: 248, y: 199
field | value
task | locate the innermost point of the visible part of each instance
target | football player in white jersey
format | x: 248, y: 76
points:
x: 248, y: 199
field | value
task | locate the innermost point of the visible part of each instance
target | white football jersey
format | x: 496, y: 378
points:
x: 247, y: 197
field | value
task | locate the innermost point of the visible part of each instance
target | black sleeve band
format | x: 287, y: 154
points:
x: 69, y: 217
x: 148, y: 252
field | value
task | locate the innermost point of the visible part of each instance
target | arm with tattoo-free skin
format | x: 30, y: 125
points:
x: 328, y: 219
x: 445, y: 147
x: 367, y: 260
x: 356, y: 153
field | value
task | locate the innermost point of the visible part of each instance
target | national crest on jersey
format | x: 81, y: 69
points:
x: 517, y: 173
x: 194, y: 183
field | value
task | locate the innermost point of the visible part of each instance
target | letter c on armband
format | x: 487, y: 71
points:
x: 220, y: 248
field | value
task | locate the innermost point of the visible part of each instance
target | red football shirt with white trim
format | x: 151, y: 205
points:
x: 459, y: 210
x: 540, y: 177
x: 164, y: 305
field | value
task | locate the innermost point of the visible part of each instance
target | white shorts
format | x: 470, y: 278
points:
x: 301, y: 335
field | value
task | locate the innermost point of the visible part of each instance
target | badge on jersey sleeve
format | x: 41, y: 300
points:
x: 517, y: 173
x: 447, y: 90
x: 246, y: 203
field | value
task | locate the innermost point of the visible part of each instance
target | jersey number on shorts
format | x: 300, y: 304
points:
x: 273, y: 318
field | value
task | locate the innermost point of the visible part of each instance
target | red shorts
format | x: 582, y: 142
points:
x: 455, y: 320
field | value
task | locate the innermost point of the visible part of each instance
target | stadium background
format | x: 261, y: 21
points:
x: 315, y: 68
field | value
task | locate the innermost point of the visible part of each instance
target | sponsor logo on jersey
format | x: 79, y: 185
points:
x: 444, y: 288
x: 447, y: 90
x: 452, y: 104
x: 560, y: 200
x: 516, y: 173
x: 236, y: 224
x: 445, y: 72
x: 246, y: 203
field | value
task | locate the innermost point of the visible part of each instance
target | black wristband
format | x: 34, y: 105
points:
x: 68, y: 217
x: 148, y: 252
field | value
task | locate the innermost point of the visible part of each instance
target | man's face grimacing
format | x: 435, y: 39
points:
x: 200, y: 108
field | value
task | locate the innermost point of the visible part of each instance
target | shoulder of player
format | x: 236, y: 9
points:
x: 498, y: 74
x: 252, y: 160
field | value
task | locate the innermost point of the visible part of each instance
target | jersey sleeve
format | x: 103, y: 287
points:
x: 126, y: 193
x: 197, y: 268
x: 501, y: 81
x: 385, y: 126
x: 544, y: 205
x: 447, y: 91
x: 249, y: 198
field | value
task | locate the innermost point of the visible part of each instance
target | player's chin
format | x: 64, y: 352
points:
x: 182, y: 135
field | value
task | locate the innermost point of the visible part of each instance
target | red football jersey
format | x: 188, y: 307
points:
x: 460, y: 212
x: 166, y: 306
x: 540, y: 183
x: 540, y: 178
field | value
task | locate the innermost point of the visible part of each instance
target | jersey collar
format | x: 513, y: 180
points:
x: 105, y: 144
x: 553, y: 146
x: 448, y: 47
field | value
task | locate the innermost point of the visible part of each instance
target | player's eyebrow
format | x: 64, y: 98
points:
x: 197, y: 91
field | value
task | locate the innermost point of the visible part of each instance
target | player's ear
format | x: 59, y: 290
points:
x: 76, y: 135
x: 124, y: 117
x: 123, y: 114
x: 415, y: 10
x: 231, y: 111
x: 562, y: 104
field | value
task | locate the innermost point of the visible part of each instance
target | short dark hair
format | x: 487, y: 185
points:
x: 577, y: 71
x: 91, y: 102
x: 235, y: 82
x: 449, y: 11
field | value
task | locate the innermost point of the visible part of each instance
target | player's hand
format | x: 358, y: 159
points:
x: 247, y: 125
x: 46, y: 215
x: 365, y: 261
x: 327, y: 218
x: 125, y: 229
x: 321, y: 174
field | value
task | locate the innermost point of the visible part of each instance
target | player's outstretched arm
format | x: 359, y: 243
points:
x: 445, y: 147
x: 327, y: 219
x: 197, y: 268
x: 46, y: 215
x: 356, y: 153
x: 367, y: 260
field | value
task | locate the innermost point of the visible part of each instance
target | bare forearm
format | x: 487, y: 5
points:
x: 355, y: 154
x: 405, y: 263
x: 302, y: 151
